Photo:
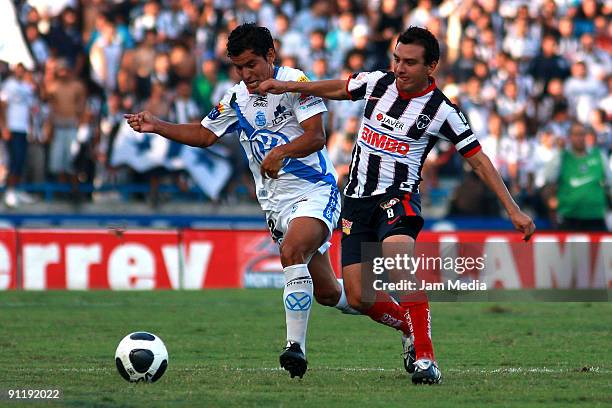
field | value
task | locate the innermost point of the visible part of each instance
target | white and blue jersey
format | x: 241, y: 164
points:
x: 265, y: 122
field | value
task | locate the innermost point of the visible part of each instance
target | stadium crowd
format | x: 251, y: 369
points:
x: 522, y: 71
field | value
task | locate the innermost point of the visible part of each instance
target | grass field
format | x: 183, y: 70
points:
x: 224, y: 348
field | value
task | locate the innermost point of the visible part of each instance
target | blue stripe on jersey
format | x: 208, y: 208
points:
x: 322, y: 162
x: 275, y: 72
x: 244, y: 123
x: 305, y: 172
x: 328, y: 213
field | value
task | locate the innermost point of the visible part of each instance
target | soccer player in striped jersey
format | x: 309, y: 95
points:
x: 404, y: 116
x: 296, y: 185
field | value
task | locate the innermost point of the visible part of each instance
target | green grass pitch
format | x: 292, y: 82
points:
x: 224, y: 347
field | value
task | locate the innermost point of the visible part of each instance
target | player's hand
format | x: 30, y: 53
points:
x: 143, y: 122
x: 272, y: 163
x: 272, y: 86
x: 6, y: 134
x: 523, y: 223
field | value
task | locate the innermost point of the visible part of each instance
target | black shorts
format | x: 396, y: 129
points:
x: 372, y: 219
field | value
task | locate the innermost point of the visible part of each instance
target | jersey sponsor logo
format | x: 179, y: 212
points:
x: 422, y: 121
x: 261, y: 102
x: 310, y: 104
x: 389, y: 203
x: 260, y: 119
x: 262, y: 141
x: 281, y: 114
x: 216, y: 111
x: 384, y: 142
x: 389, y: 121
x: 580, y: 181
x: 346, y: 226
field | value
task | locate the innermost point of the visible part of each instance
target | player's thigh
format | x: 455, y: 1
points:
x: 326, y: 286
x: 304, y: 236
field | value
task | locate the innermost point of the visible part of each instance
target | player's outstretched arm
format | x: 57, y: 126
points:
x: 328, y: 89
x: 192, y: 134
x: 483, y: 167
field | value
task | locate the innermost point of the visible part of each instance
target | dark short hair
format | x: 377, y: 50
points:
x: 424, y: 38
x: 249, y: 36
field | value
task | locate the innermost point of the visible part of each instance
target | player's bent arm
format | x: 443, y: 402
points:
x: 329, y: 89
x: 192, y: 134
x: 312, y: 140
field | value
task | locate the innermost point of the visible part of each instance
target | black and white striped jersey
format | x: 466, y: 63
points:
x: 397, y: 132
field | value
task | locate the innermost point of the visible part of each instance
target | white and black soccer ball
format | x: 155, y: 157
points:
x: 141, y: 356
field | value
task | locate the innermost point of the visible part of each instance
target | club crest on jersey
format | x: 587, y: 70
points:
x: 346, y: 226
x: 216, y: 111
x: 422, y: 121
x: 262, y: 141
x: 384, y: 142
x: 260, y: 119
x: 389, y: 203
x: 389, y: 122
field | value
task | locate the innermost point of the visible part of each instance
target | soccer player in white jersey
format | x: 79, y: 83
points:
x: 405, y: 114
x: 295, y: 181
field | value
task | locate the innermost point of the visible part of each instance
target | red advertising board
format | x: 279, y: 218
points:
x: 99, y: 259
x: 197, y: 259
x: 233, y: 259
x: 8, y: 259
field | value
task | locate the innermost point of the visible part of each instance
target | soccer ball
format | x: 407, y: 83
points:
x: 141, y: 356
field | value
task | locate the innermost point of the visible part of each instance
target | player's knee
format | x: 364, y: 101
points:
x: 293, y: 254
x: 327, y: 296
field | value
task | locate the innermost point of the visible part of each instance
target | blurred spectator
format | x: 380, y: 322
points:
x: 548, y: 64
x: 463, y: 67
x: 340, y: 39
x: 520, y: 43
x: 583, y: 92
x: 568, y: 43
x: 475, y: 107
x: 67, y: 97
x: 492, y: 144
x: 518, y: 150
x: 582, y: 178
x: 16, y: 103
x: 105, y: 55
x: 598, y: 61
x: 39, y: 47
x: 65, y: 40
x: 602, y: 130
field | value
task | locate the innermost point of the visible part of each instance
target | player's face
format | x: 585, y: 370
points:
x: 411, y: 73
x: 254, y: 69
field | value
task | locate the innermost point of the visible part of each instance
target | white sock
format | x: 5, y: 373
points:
x: 297, y: 298
x: 343, y: 305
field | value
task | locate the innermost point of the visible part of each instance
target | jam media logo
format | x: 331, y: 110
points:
x: 298, y: 301
x: 262, y: 141
x: 422, y: 121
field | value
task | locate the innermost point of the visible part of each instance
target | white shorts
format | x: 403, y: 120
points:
x: 322, y: 203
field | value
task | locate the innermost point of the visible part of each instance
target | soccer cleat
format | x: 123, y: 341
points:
x: 426, y: 372
x: 293, y: 360
x: 409, y: 354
